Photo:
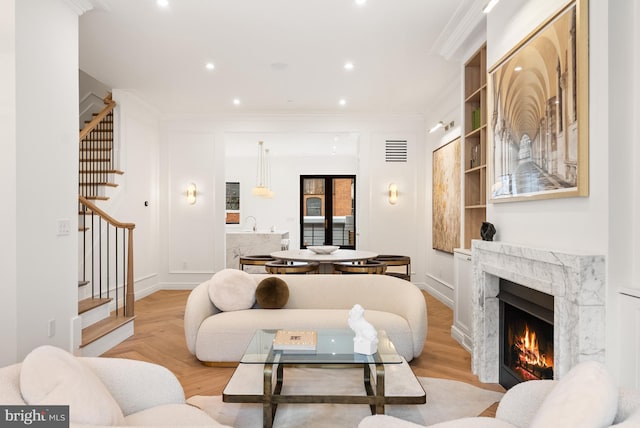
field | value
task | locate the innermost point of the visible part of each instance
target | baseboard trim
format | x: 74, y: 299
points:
x: 465, y: 341
x: 178, y: 285
x: 146, y: 291
x: 440, y: 290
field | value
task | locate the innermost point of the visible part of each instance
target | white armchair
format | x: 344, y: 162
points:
x: 147, y: 394
x: 586, y: 397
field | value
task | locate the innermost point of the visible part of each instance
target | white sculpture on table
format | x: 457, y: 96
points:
x: 366, y: 339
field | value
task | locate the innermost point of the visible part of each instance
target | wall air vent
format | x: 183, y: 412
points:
x: 395, y: 151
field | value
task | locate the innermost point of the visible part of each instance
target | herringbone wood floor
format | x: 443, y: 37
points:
x: 159, y: 338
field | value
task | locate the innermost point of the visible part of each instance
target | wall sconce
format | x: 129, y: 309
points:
x: 393, y: 193
x: 191, y: 193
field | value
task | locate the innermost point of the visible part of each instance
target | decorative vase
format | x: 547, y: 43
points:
x: 487, y: 230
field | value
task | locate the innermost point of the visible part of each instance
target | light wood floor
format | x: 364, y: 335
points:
x: 159, y: 338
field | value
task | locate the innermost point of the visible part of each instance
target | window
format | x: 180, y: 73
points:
x: 327, y: 210
x: 314, y: 206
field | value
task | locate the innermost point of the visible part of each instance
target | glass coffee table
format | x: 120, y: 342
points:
x: 259, y: 378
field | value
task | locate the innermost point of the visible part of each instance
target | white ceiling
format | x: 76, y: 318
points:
x: 160, y: 54
x: 243, y: 144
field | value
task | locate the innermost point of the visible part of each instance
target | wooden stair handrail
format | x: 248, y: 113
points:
x: 110, y: 105
x: 129, y: 293
x: 84, y: 201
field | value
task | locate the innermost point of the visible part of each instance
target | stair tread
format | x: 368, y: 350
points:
x: 98, y: 198
x: 95, y: 171
x: 86, y: 305
x: 99, y: 184
x: 103, y: 327
x: 82, y: 283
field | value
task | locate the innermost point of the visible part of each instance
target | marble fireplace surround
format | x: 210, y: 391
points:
x: 577, y: 282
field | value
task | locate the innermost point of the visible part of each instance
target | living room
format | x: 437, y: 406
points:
x: 178, y: 246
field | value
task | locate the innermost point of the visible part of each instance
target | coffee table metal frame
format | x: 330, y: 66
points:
x: 373, y: 369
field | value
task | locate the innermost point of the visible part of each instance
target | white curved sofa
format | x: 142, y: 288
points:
x: 315, y: 301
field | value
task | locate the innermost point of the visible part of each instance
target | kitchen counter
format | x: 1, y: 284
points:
x: 247, y: 243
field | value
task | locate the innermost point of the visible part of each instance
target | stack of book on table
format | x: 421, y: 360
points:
x: 295, y: 341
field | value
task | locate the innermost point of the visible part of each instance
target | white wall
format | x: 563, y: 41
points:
x: 46, y: 164
x: 624, y: 187
x: 624, y: 130
x: 192, y: 237
x: 137, y: 134
x: 91, y: 94
x: 193, y: 150
x: 386, y: 228
x: 8, y: 261
x: 439, y: 265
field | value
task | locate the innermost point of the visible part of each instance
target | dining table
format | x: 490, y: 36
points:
x: 325, y: 260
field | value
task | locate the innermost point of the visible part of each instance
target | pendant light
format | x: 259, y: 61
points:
x: 263, y: 174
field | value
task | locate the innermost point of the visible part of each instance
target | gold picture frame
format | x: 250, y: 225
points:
x: 538, y: 112
x: 446, y: 197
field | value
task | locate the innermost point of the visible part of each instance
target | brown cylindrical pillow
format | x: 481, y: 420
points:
x: 272, y: 293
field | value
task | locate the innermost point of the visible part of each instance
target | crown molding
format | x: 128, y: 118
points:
x: 464, y: 22
x: 82, y: 6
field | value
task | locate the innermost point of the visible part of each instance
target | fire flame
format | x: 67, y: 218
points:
x: 528, y: 347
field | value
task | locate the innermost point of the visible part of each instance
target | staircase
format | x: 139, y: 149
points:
x: 105, y: 286
x: 96, y: 167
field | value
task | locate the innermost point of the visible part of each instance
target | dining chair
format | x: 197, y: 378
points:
x: 396, y: 261
x: 291, y: 267
x: 255, y: 260
x: 366, y: 267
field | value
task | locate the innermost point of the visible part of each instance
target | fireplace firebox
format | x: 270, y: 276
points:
x: 526, y: 334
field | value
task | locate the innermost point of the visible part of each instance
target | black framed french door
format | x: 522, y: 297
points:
x: 328, y: 210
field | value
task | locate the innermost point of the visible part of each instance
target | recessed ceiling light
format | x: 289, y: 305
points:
x: 348, y: 65
x: 342, y: 102
x: 236, y: 101
x: 360, y: 2
x: 518, y: 68
x: 210, y: 66
x: 163, y: 3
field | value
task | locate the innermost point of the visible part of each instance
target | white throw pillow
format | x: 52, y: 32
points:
x: 585, y: 397
x: 50, y: 375
x: 232, y: 290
